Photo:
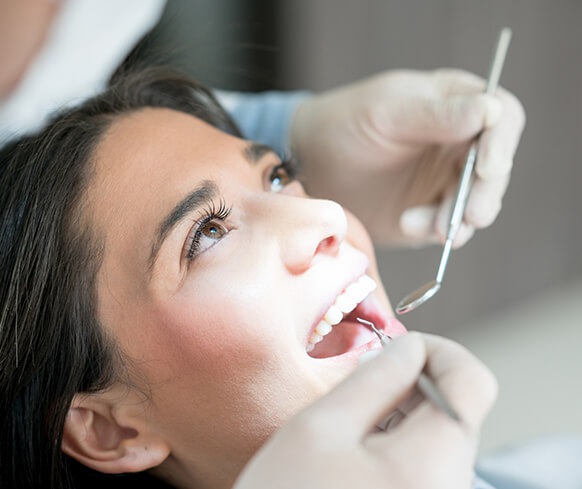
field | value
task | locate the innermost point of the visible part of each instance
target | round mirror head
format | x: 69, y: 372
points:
x: 418, y: 297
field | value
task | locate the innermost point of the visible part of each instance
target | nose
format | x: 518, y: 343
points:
x: 311, y: 229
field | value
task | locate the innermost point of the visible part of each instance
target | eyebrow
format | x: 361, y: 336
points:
x: 194, y: 200
x: 203, y: 195
x: 253, y: 152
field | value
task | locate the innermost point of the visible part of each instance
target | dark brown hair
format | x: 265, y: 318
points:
x: 51, y: 342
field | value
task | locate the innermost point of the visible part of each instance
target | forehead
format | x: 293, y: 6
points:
x: 156, y: 138
x: 145, y: 163
x: 155, y: 156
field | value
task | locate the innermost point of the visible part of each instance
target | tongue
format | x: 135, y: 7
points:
x: 344, y: 337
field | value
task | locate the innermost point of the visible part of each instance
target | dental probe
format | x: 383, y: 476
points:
x: 425, y: 292
x: 425, y: 383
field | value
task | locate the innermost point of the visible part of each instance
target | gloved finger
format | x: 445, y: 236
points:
x: 485, y: 199
x: 429, y: 224
x: 468, y: 386
x: 371, y: 392
x: 463, y: 379
x: 411, y: 403
x: 450, y: 119
x: 400, y: 412
x: 431, y: 436
x: 466, y: 230
x: 458, y: 82
x: 391, y: 421
x: 464, y: 235
x: 498, y: 142
x: 418, y: 224
x: 502, y: 129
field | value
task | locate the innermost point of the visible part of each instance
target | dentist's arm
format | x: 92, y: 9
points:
x: 332, y: 443
x: 389, y: 148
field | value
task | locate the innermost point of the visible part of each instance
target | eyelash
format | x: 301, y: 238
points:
x: 210, y: 214
x: 291, y: 166
x: 291, y: 169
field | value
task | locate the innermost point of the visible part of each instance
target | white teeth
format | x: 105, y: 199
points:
x: 356, y: 292
x: 323, y: 328
x: 368, y: 283
x: 345, y: 303
x: 315, y: 338
x: 333, y: 315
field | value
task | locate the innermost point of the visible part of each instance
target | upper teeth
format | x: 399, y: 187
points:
x: 345, y: 303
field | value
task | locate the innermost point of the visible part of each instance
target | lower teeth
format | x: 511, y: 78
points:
x: 346, y: 336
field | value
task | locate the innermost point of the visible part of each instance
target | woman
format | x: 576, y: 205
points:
x: 171, y: 297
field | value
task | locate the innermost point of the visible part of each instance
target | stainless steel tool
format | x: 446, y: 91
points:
x: 424, y: 293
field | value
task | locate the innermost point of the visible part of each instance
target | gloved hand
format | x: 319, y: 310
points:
x: 332, y: 444
x: 390, y: 149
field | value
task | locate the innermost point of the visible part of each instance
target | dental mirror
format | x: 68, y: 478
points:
x: 418, y: 297
x: 424, y: 293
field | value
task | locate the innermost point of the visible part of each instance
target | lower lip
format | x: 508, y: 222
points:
x: 394, y: 328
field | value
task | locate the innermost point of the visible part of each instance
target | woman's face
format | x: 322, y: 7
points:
x: 217, y: 269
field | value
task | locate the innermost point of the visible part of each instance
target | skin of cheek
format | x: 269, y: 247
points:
x: 233, y: 375
x: 359, y: 237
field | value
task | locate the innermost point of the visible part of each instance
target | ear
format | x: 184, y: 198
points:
x: 109, y: 432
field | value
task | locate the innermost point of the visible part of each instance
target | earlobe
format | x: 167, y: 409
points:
x: 111, y: 439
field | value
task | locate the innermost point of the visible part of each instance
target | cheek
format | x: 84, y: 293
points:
x: 359, y: 238
x: 219, y: 329
x: 219, y: 360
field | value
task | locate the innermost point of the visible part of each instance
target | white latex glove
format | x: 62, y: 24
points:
x: 390, y: 149
x: 332, y: 444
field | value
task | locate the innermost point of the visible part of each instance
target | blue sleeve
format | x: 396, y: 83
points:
x: 263, y: 117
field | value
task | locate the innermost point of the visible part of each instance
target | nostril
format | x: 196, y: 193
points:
x: 316, y: 228
x: 299, y: 257
x: 328, y: 245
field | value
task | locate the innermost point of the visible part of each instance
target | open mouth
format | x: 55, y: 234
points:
x: 339, y: 331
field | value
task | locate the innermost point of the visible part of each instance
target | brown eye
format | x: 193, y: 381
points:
x: 213, y: 230
x: 206, y: 236
x: 279, y: 178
